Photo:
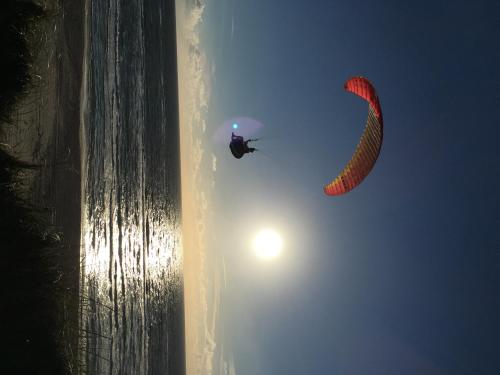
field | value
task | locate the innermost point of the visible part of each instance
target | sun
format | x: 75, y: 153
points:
x: 267, y: 244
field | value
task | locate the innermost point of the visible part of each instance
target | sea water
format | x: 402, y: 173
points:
x: 131, y: 307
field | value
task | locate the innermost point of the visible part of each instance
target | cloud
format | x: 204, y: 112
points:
x: 214, y: 163
x: 232, y: 29
x: 202, y: 282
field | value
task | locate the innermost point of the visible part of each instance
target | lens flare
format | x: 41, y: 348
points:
x: 245, y: 126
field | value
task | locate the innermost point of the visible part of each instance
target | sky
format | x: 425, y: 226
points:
x: 399, y: 276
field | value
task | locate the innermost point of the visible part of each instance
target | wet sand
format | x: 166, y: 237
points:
x: 47, y: 121
x: 45, y: 131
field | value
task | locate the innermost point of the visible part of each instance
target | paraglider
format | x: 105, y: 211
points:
x: 239, y: 146
x: 368, y: 148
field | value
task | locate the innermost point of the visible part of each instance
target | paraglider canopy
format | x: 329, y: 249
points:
x: 368, y: 149
x: 239, y: 146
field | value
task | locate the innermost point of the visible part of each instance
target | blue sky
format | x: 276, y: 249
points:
x: 402, y: 275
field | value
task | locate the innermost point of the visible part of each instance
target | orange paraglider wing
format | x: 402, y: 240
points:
x: 368, y: 148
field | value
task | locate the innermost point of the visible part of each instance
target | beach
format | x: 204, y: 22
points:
x: 46, y: 124
x: 98, y: 130
x: 44, y: 132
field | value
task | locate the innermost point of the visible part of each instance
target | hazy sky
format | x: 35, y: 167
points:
x: 402, y: 275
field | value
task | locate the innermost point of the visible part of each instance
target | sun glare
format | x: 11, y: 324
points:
x: 267, y: 244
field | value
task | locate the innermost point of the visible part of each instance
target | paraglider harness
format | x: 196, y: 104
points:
x: 239, y: 146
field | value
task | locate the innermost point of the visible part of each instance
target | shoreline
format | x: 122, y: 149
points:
x: 68, y: 207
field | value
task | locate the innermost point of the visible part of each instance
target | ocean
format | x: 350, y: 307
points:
x: 131, y: 280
